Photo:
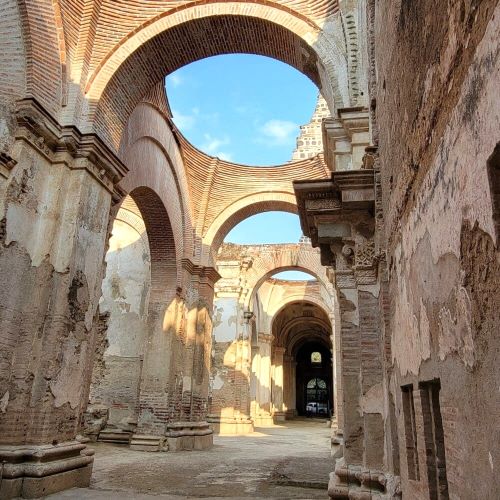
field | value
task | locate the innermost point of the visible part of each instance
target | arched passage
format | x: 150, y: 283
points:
x: 240, y: 210
x: 137, y: 292
x: 271, y: 259
x: 302, y: 370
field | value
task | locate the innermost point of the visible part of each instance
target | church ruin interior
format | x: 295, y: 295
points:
x: 144, y: 356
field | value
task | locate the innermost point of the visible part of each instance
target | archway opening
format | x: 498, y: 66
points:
x: 243, y: 108
x: 314, y: 383
x: 138, y: 289
x: 302, y: 370
x: 120, y: 81
x: 266, y: 228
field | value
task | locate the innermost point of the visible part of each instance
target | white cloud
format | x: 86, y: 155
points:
x: 212, y: 146
x: 224, y: 156
x: 175, y: 79
x: 278, y: 133
x: 183, y: 122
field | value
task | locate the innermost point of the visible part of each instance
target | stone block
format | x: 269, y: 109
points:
x: 189, y: 436
x: 144, y: 442
x: 40, y: 470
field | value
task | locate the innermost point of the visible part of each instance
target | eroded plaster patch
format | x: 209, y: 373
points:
x: 373, y: 400
x: 456, y: 331
x: 4, y: 401
x: 66, y: 388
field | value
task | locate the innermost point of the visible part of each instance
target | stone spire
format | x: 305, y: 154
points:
x: 310, y: 141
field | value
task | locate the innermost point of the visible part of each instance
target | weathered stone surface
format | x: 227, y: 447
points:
x: 96, y: 182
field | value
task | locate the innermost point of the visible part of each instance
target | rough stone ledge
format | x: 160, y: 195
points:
x: 43, y: 460
x: 145, y: 442
x: 178, y: 429
x: 31, y: 471
x: 355, y: 481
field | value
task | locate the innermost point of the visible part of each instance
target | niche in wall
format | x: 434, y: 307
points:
x: 434, y: 440
x: 410, y: 432
x: 493, y: 166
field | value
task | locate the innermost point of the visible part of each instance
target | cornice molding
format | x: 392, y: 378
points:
x: 66, y: 144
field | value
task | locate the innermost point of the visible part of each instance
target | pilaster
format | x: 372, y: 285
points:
x: 263, y: 416
x: 277, y: 391
x: 57, y: 189
x: 156, y: 434
x: 338, y: 216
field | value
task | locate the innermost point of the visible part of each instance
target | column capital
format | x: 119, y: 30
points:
x: 248, y: 316
x: 202, y: 274
x: 338, y: 215
x: 66, y: 144
x: 344, y: 138
x: 265, y: 338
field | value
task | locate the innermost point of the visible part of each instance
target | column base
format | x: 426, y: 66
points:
x: 118, y: 436
x: 147, y: 442
x: 355, y: 481
x: 290, y: 414
x: 264, y: 420
x: 189, y: 436
x: 279, y: 416
x: 33, y: 471
x: 230, y: 426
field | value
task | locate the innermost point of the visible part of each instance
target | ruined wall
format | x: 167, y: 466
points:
x: 310, y: 139
x: 125, y: 299
x: 438, y: 117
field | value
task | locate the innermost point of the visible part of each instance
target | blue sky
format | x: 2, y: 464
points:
x: 243, y: 108
x: 268, y: 227
x: 246, y: 109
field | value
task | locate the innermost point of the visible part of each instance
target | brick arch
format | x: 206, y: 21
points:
x: 202, y: 29
x: 237, y: 212
x: 160, y: 236
x: 272, y: 259
x: 292, y: 325
x: 154, y: 160
x: 294, y: 298
x: 327, y: 291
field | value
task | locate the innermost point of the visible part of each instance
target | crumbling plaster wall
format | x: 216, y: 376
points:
x: 125, y: 298
x: 50, y: 285
x: 438, y: 122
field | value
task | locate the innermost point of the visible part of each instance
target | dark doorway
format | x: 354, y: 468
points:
x: 314, y: 380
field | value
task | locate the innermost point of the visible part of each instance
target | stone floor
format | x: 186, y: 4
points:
x: 291, y: 461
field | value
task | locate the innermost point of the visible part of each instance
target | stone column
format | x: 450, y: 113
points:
x: 263, y: 415
x: 338, y: 215
x: 192, y: 431
x: 159, y: 386
x: 54, y: 212
x: 289, y: 396
x: 254, y: 383
x: 229, y: 411
x: 338, y: 413
x: 278, y: 410
x: 174, y: 405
